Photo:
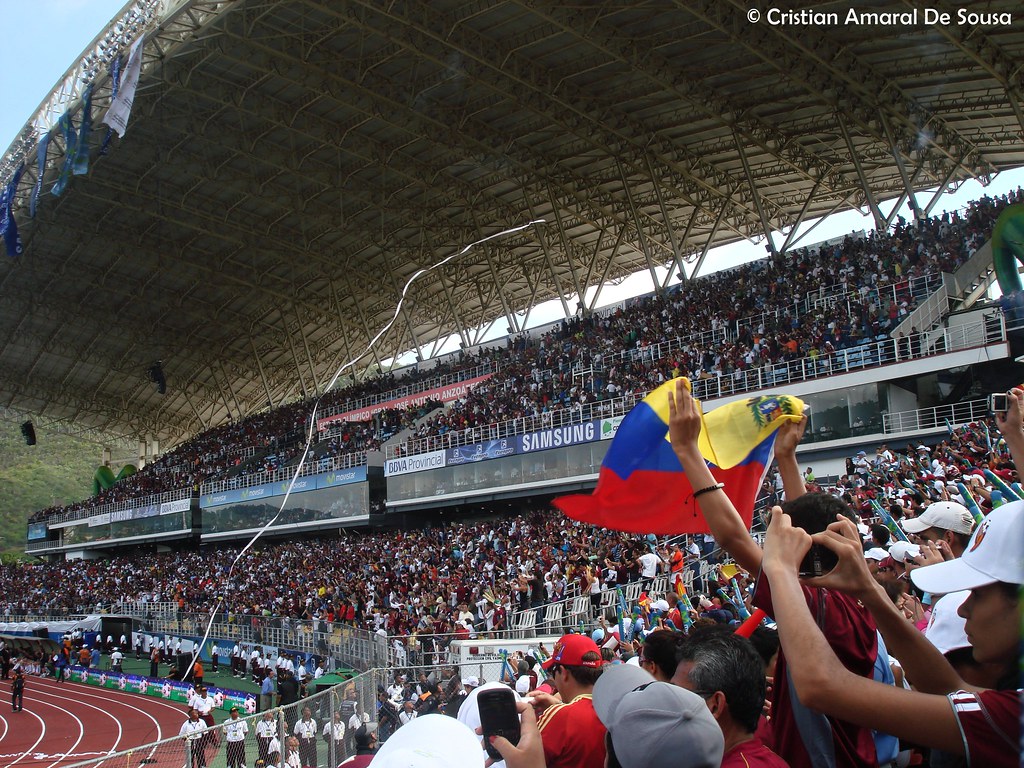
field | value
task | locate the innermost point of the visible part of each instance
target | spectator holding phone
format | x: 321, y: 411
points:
x: 804, y: 737
x: 944, y: 711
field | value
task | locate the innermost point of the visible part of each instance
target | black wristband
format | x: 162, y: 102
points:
x: 709, y: 489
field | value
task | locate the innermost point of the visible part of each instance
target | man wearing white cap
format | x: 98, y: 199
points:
x: 944, y: 711
x: 943, y: 521
x: 431, y: 741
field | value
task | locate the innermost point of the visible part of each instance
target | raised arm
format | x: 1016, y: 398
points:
x: 724, y: 521
x: 789, y: 436
x: 926, y: 668
x: 1011, y: 426
x: 821, y: 681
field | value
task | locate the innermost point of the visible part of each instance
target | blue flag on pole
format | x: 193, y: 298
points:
x: 67, y: 129
x: 44, y: 145
x: 81, y: 166
x: 8, y: 226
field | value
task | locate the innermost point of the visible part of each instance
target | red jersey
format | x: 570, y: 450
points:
x: 752, y: 754
x: 990, y: 726
x: 806, y: 737
x: 572, y: 735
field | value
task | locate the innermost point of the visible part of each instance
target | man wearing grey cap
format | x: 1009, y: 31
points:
x: 652, y: 723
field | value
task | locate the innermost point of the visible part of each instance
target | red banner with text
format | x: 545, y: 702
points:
x: 445, y: 394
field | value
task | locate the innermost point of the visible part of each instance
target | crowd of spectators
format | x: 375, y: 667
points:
x: 802, y: 304
x: 938, y: 581
x: 905, y: 652
x: 401, y: 582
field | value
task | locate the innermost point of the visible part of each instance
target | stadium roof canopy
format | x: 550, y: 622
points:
x: 289, y: 164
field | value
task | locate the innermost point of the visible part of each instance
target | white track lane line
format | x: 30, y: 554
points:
x: 3, y: 721
x: 120, y: 731
x: 30, y: 750
x: 60, y: 756
x: 82, y: 692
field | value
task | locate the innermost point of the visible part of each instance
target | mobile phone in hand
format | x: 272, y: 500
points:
x: 818, y: 561
x: 498, y: 717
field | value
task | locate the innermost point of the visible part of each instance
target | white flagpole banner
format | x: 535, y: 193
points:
x: 121, y: 107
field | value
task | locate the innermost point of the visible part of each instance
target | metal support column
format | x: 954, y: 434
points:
x: 868, y: 194
x: 908, y: 185
x: 263, y: 375
x: 636, y: 223
x: 765, y: 225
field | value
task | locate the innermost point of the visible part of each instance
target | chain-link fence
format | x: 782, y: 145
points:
x: 326, y: 737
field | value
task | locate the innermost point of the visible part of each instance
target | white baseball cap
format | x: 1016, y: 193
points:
x: 946, y: 628
x: 651, y: 723
x: 995, y: 553
x: 431, y: 741
x: 947, y: 515
x: 876, y: 553
x: 901, y: 551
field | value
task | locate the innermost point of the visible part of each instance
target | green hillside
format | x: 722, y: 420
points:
x: 58, y: 470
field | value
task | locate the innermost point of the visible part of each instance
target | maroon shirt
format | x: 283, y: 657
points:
x: 572, y: 735
x: 807, y: 738
x: 990, y: 726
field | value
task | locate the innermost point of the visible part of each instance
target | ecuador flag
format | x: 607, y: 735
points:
x: 642, y: 487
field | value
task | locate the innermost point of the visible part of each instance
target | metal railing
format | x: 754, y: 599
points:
x: 840, y: 293
x: 145, y: 609
x: 353, y: 701
x: 936, y: 417
x: 594, y: 410
x: 284, y: 474
x: 117, y: 506
x: 420, y: 386
x: 869, y: 354
x: 348, y: 645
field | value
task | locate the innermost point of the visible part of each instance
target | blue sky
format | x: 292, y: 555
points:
x: 42, y: 39
x: 45, y: 37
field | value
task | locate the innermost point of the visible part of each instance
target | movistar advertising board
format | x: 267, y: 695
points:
x: 269, y: 490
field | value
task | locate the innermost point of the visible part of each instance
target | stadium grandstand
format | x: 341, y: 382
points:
x: 297, y: 253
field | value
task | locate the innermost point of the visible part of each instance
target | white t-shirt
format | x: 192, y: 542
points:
x: 204, y: 705
x: 649, y: 565
x: 192, y: 730
x: 236, y: 730
x: 305, y: 729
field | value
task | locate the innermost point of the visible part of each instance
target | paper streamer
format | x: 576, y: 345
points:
x: 311, y: 429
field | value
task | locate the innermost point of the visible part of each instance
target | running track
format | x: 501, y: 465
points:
x: 69, y: 722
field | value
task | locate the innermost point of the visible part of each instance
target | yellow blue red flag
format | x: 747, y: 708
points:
x: 642, y: 487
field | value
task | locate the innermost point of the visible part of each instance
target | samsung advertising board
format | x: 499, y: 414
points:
x: 559, y: 437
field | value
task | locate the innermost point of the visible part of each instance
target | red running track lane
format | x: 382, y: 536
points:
x: 65, y: 723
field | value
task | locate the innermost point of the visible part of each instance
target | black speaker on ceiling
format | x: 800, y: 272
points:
x: 29, y: 432
x: 156, y: 375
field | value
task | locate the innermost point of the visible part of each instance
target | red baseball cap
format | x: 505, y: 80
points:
x: 569, y: 652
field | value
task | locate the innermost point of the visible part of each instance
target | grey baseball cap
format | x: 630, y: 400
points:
x: 656, y: 724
